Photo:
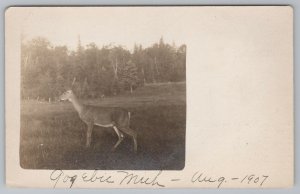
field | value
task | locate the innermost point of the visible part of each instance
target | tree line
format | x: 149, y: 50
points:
x: 47, y: 71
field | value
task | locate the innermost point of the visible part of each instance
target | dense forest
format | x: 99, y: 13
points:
x: 47, y: 70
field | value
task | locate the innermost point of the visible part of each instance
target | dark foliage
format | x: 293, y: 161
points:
x: 47, y: 71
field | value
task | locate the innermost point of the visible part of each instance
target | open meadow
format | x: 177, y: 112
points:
x: 53, y: 136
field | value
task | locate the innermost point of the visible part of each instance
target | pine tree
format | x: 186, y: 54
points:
x: 128, y: 76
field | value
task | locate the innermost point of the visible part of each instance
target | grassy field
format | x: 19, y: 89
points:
x: 53, y: 136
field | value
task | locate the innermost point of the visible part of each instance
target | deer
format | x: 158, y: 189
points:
x: 110, y: 117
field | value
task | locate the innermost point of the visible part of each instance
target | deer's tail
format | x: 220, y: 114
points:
x: 129, y: 115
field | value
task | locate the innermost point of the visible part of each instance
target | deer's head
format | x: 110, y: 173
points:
x: 66, y: 95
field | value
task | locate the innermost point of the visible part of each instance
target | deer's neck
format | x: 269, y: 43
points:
x: 77, y: 104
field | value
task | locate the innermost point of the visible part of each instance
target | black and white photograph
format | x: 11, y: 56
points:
x: 149, y: 97
x: 95, y: 97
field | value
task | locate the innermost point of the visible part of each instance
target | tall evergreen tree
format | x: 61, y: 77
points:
x: 128, y: 76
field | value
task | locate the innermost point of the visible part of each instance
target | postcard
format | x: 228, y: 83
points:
x: 149, y: 97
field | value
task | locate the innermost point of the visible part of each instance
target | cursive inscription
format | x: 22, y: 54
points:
x: 122, y: 177
x: 199, y: 177
x: 59, y: 175
x: 130, y: 178
x: 221, y: 180
x: 95, y: 177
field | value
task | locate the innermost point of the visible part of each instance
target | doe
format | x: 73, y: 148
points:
x: 114, y: 117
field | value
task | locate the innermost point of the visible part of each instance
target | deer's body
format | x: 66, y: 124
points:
x: 114, y: 117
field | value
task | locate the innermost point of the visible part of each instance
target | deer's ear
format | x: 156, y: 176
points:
x: 73, y: 82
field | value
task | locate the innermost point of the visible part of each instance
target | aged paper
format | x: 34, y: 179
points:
x: 149, y: 97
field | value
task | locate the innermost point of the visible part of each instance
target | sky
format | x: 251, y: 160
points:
x: 103, y: 26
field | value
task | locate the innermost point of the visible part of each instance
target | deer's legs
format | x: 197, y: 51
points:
x: 133, y: 134
x: 89, y: 134
x: 120, y: 136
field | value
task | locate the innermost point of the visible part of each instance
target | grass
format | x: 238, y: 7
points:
x: 53, y: 136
